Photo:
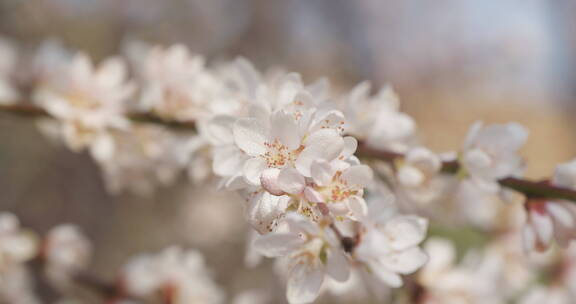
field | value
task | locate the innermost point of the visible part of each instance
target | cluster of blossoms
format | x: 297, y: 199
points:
x: 64, y: 253
x: 174, y: 275
x: 294, y: 152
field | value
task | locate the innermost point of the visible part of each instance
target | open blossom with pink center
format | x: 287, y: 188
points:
x: 179, y: 276
x: 389, y: 244
x: 279, y: 142
x: 282, y: 116
x: 552, y: 219
x: 86, y: 99
x: 338, y: 185
x: 312, y: 252
x: 491, y: 152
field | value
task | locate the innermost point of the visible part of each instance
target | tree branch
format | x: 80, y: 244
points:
x: 30, y: 110
x: 532, y: 189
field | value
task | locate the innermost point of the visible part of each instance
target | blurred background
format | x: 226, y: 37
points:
x: 451, y: 61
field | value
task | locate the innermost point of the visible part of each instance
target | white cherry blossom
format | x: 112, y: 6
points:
x: 388, y: 246
x: 418, y: 176
x: 17, y: 286
x: 178, y: 85
x: 312, y: 253
x: 277, y: 143
x: 87, y: 100
x: 338, y: 185
x: 179, y: 275
x: 143, y: 158
x: 377, y: 119
x: 473, y: 281
x: 491, y: 152
x: 17, y: 245
x: 66, y: 251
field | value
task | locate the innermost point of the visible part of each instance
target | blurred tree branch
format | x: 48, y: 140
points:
x: 532, y: 189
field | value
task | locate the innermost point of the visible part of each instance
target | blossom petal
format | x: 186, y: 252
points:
x: 322, y: 172
x: 359, y: 176
x: 253, y: 170
x: 358, y: 207
x: 405, y: 262
x: 264, y: 209
x: 560, y: 214
x: 386, y: 276
x: 313, y: 196
x: 337, y: 266
x: 277, y: 244
x: 406, y: 231
x: 528, y: 238
x: 269, y: 180
x: 228, y: 160
x: 565, y: 174
x: 111, y: 72
x: 304, y: 283
x: 250, y: 136
x: 291, y: 181
x: 219, y: 130
x: 284, y: 129
x: 81, y: 67
x: 322, y: 145
x: 350, y: 146
x: 543, y: 227
x: 410, y: 176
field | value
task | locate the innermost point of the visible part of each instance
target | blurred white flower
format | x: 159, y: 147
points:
x: 253, y: 296
x: 87, y: 100
x: 17, y: 286
x: 491, y: 152
x: 66, y: 251
x: 179, y: 275
x: 16, y: 244
x: 377, y: 119
x: 418, y: 168
x: 549, y: 295
x: 143, y: 158
x: 179, y: 86
x: 418, y: 177
x: 445, y: 282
